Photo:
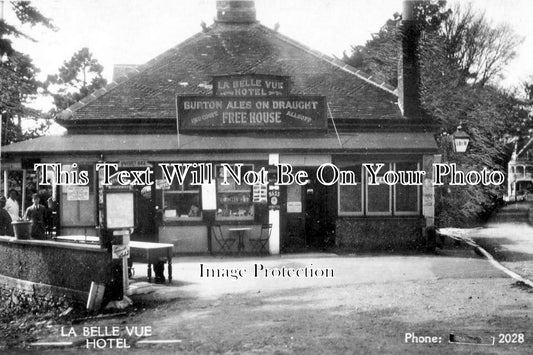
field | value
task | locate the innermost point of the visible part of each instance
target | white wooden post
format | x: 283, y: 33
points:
x: 428, y: 189
x: 274, y: 217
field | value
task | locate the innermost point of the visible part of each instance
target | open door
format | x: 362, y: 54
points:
x: 309, y: 218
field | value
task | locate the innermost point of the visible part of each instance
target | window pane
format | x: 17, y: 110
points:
x: 184, y: 204
x: 234, y: 201
x: 350, y: 199
x: 379, y: 198
x: 379, y: 195
x: 406, y: 196
x: 182, y: 201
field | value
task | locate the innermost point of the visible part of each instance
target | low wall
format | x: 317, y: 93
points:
x: 53, y: 269
x: 19, y: 296
x: 380, y: 233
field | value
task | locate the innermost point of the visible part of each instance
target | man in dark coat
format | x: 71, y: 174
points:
x: 36, y: 214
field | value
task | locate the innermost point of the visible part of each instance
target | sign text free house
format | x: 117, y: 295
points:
x: 252, y: 113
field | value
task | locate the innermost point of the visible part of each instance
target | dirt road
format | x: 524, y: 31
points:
x: 375, y: 304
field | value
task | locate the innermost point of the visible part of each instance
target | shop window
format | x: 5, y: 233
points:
x: 379, y: 196
x: 234, y: 201
x: 406, y: 197
x: 182, y: 201
x: 379, y: 200
x: 351, y: 196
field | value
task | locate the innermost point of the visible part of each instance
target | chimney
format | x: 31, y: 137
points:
x: 123, y: 69
x: 408, y: 66
x: 236, y: 11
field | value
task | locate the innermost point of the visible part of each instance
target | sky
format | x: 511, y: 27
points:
x: 134, y: 31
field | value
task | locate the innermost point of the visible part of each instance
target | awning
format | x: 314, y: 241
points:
x: 392, y: 142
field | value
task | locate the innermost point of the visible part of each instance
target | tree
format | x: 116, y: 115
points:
x: 449, y: 95
x: 481, y: 49
x: 18, y: 84
x: 380, y: 55
x: 528, y: 89
x: 76, y: 78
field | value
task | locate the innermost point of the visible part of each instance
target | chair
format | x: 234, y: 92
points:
x: 260, y: 244
x: 224, y: 243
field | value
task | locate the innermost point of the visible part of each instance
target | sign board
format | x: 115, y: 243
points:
x: 294, y: 207
x: 119, y: 209
x: 197, y: 113
x: 133, y: 164
x: 120, y: 251
x: 209, y: 197
x: 162, y: 184
x: 11, y: 166
x: 246, y: 85
x: 274, y: 200
x: 259, y: 194
x: 77, y: 193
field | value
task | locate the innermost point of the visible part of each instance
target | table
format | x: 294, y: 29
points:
x: 152, y: 253
x: 240, y: 232
x: 149, y: 253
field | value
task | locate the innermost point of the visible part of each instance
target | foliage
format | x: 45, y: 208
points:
x: 76, y: 78
x: 18, y: 84
x: 454, y: 92
x: 481, y: 49
x: 528, y: 89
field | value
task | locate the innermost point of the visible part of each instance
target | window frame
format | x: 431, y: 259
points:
x: 241, y: 190
x: 182, y: 191
x: 362, y: 193
x: 378, y: 213
x: 418, y: 188
x: 392, y: 211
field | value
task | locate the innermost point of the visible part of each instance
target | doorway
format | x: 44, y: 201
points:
x: 145, y: 215
x: 309, y: 219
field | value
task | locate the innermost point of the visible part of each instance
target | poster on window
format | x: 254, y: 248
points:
x: 77, y: 193
x: 259, y: 194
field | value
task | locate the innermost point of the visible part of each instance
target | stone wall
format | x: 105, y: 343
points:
x: 34, y: 273
x: 380, y: 233
x: 20, y: 297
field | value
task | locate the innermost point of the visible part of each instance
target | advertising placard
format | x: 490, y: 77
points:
x: 200, y: 113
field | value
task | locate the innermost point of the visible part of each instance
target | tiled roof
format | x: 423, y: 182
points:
x: 149, y: 91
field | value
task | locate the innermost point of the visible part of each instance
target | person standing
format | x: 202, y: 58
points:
x: 12, y: 205
x: 36, y: 214
x: 5, y: 219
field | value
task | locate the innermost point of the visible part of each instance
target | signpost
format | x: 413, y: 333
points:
x: 120, y: 220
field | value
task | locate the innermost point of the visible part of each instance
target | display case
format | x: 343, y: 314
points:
x: 234, y: 201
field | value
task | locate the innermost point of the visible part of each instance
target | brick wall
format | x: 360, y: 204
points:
x: 380, y: 234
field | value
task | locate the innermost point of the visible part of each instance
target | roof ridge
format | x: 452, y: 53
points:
x: 67, y: 113
x: 334, y: 61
